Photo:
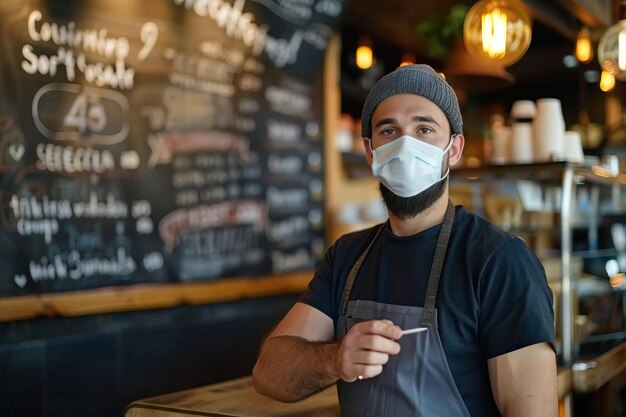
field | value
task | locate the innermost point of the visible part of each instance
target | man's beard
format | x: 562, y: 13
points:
x: 405, y: 208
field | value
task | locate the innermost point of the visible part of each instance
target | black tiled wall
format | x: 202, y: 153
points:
x: 96, y: 365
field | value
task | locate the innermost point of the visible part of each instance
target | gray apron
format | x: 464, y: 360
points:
x: 416, y: 382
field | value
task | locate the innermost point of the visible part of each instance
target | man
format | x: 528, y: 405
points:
x: 477, y: 297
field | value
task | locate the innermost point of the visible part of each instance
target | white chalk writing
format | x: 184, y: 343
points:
x: 285, y: 262
x: 241, y: 26
x: 70, y: 159
x: 287, y: 101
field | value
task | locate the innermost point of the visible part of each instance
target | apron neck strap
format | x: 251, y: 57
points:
x: 435, y: 269
x: 355, y: 270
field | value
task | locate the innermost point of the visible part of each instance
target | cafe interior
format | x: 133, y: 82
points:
x: 173, y: 171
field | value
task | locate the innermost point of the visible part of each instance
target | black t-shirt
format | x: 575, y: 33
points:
x: 493, y: 295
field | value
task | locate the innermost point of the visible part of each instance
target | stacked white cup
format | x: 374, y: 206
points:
x: 501, y: 145
x: 573, y: 147
x: 522, y: 112
x: 549, y: 130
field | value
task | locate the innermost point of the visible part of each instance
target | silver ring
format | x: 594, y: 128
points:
x: 360, y: 377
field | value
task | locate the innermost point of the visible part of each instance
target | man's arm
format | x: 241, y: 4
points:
x: 524, y: 381
x: 299, y: 357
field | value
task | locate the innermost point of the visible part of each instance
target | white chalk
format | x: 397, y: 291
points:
x: 414, y: 330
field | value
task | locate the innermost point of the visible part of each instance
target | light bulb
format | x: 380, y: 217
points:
x: 499, y: 30
x: 364, y: 54
x: 607, y: 81
x: 494, y: 33
x: 584, y: 51
x: 612, y: 50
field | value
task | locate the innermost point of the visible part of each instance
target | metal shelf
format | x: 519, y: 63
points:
x: 568, y: 176
x: 542, y: 172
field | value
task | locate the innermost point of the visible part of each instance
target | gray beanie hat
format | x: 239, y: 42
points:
x: 421, y: 80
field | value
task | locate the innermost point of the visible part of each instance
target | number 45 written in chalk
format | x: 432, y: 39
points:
x: 86, y: 114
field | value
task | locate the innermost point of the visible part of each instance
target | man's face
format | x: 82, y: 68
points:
x: 420, y: 118
x: 409, y: 114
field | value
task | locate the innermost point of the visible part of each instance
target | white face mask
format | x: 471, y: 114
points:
x: 408, y: 166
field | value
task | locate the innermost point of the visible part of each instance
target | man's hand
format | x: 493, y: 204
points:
x: 366, y: 348
x: 301, y: 357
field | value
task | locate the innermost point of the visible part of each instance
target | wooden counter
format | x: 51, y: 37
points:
x: 590, y: 375
x: 233, y: 398
x: 238, y: 398
x: 602, y: 378
x: 150, y: 296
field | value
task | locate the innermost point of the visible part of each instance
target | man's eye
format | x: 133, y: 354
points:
x: 388, y: 131
x: 424, y: 130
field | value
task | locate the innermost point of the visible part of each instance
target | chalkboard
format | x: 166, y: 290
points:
x: 160, y: 140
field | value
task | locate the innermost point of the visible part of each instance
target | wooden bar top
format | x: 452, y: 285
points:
x: 238, y: 398
x: 590, y: 375
x: 233, y: 398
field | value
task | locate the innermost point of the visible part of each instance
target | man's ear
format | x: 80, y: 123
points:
x: 367, y: 144
x: 456, y: 149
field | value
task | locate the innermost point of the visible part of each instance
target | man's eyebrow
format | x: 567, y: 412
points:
x: 424, y: 119
x: 391, y: 120
x: 387, y: 121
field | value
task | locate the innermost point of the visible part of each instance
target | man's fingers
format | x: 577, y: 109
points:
x: 364, y: 372
x: 378, y: 344
x: 384, y: 328
x: 366, y: 348
x: 369, y: 357
x: 371, y: 371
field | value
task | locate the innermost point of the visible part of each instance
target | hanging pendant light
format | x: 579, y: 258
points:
x: 499, y: 30
x: 612, y: 50
x: 364, y: 54
x: 607, y: 81
x: 584, y: 51
x: 474, y: 73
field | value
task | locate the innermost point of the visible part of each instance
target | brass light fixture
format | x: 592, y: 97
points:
x: 584, y: 51
x: 364, y: 54
x: 499, y: 30
x: 612, y: 50
x: 473, y: 72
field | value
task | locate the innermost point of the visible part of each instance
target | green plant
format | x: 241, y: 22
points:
x: 439, y: 31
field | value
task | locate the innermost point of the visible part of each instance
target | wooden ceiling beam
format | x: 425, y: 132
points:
x: 553, y: 17
x: 387, y: 30
x: 592, y: 13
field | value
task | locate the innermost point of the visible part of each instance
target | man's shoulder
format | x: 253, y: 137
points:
x: 349, y: 246
x: 477, y: 230
x: 485, y: 242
